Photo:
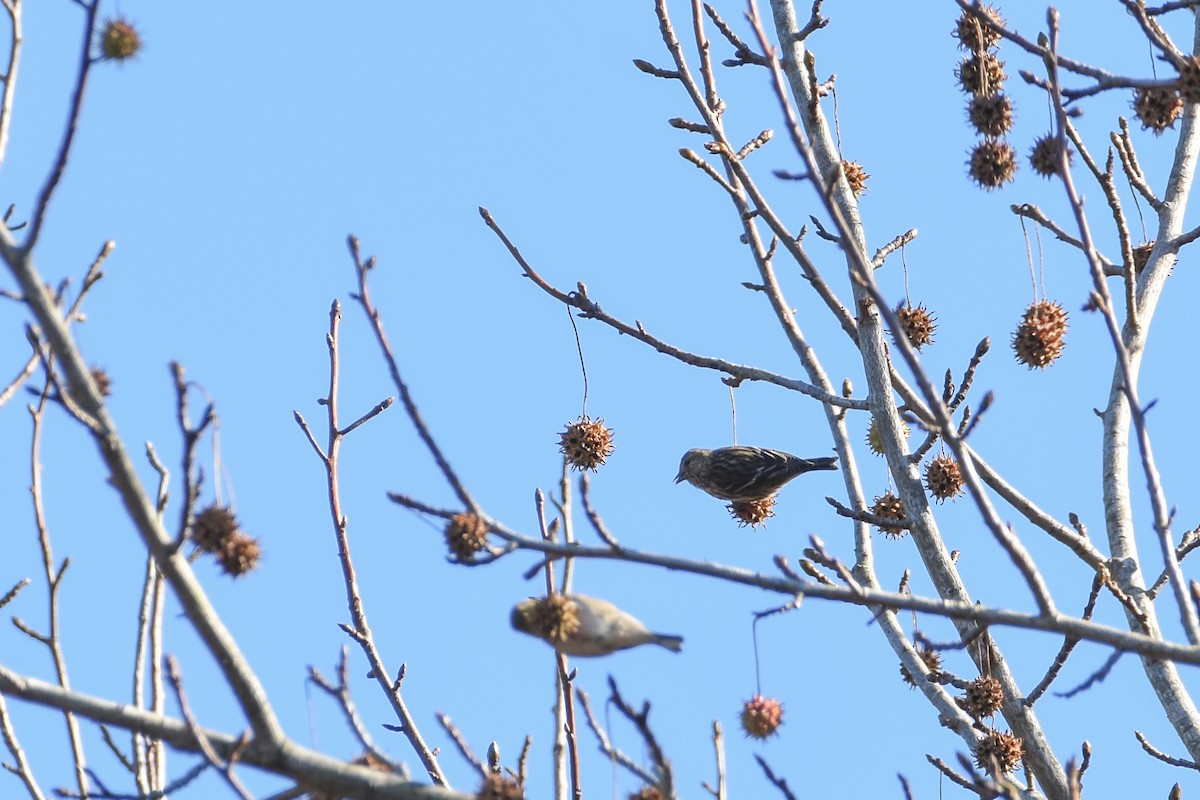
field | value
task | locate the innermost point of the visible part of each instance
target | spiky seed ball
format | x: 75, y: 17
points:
x: 918, y: 324
x: 119, y: 40
x: 1157, y: 108
x: 889, y: 506
x: 999, y: 750
x: 752, y: 512
x: 991, y: 114
x: 1038, y: 340
x: 647, y: 793
x: 984, y: 697
x: 944, y: 478
x: 497, y: 787
x: 981, y: 75
x: 239, y: 555
x: 875, y: 441
x: 856, y: 176
x: 586, y: 443
x: 466, y: 535
x: 932, y: 660
x: 1141, y: 255
x: 554, y: 617
x: 213, y: 527
x: 1189, y: 80
x: 1045, y: 156
x: 993, y: 163
x: 874, y: 438
x: 102, y: 381
x: 969, y: 30
x: 761, y: 716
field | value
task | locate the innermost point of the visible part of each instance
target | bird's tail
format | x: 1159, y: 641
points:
x: 672, y: 643
x: 828, y: 462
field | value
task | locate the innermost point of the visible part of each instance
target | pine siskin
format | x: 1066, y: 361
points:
x: 745, y: 474
x: 596, y: 628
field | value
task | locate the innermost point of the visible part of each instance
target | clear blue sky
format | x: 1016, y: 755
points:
x: 232, y: 158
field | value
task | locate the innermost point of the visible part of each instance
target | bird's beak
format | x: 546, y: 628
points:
x: 679, y: 478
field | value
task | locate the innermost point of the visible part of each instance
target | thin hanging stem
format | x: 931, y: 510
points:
x: 981, y: 52
x: 757, y: 670
x: 1037, y: 232
x: 582, y: 366
x: 905, y: 590
x: 733, y: 412
x: 221, y: 476
x: 1029, y: 260
x: 1137, y: 203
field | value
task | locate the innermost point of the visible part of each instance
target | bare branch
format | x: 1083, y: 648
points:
x: 895, y: 244
x: 341, y: 693
x: 1141, y: 644
x: 1068, y: 646
x: 22, y: 769
x: 650, y: 69
x: 579, y: 299
x: 461, y: 743
x: 1034, y: 213
x: 1161, y: 756
x: 606, y: 746
x: 742, y: 52
x: 641, y: 721
x: 593, y: 516
x: 318, y: 771
x: 360, y: 630
x: 778, y: 782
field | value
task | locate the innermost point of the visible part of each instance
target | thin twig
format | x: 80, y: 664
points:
x: 566, y: 680
x: 606, y: 746
x: 742, y: 52
x: 341, y: 693
x: 882, y: 253
x: 593, y: 516
x: 1030, y: 211
x: 580, y: 299
x: 1068, y: 646
x: 1161, y: 756
x: 22, y: 769
x: 363, y: 297
x: 9, y: 78
x: 950, y: 773
x: 54, y: 577
x: 464, y: 748
x: 1102, y: 672
x: 641, y: 721
x: 778, y: 782
x: 360, y: 629
x: 225, y: 767
x: 868, y: 517
x: 1123, y: 143
x: 64, y: 149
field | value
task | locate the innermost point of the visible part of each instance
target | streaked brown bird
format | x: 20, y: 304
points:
x: 578, y: 625
x: 745, y: 474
